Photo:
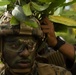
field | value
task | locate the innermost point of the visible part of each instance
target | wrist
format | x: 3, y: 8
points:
x: 59, y: 43
x: 52, y: 41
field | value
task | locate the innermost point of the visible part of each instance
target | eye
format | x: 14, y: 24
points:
x: 31, y: 46
x: 14, y: 45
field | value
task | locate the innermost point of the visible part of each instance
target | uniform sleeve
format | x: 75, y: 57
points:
x: 60, y: 70
x: 50, y: 69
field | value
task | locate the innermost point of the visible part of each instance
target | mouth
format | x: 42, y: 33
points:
x: 24, y: 64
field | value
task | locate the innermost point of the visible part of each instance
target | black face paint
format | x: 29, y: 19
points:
x: 19, y: 43
x: 14, y: 49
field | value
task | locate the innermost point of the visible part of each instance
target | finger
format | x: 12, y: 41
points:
x: 46, y: 20
x: 46, y: 30
x: 45, y: 26
x: 43, y: 20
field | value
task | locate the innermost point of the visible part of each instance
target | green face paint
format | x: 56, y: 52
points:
x: 19, y: 51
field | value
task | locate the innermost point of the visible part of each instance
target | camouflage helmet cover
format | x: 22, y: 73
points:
x: 21, y: 28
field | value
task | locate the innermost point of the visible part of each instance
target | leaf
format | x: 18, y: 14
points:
x: 27, y: 10
x: 45, y: 1
x: 69, y: 14
x: 14, y: 21
x: 74, y: 30
x: 69, y: 3
x: 18, y: 13
x: 31, y: 22
x: 54, y: 6
x: 4, y: 2
x: 59, y: 2
x: 63, y: 20
x: 3, y: 8
x: 20, y: 16
x: 39, y: 7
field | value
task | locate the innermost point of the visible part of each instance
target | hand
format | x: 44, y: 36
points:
x: 48, y: 28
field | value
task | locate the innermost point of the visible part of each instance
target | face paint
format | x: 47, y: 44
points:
x: 19, y: 52
x: 19, y: 44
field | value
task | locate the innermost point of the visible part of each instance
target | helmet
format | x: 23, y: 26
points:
x: 20, y: 29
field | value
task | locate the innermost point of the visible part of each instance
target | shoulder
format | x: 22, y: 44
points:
x: 47, y: 69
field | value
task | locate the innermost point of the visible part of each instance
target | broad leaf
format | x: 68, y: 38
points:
x: 27, y: 10
x: 45, y: 1
x: 74, y: 30
x: 69, y: 14
x: 14, y: 21
x: 54, y: 6
x: 69, y: 3
x: 39, y: 7
x: 4, y: 2
x: 63, y: 20
x: 31, y: 22
x: 3, y: 8
x: 18, y: 13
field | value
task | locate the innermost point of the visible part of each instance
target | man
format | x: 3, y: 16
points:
x: 20, y: 47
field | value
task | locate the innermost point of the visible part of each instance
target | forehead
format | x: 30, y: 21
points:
x: 19, y: 37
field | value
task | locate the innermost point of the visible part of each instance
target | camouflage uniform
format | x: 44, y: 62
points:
x: 46, y: 69
x: 41, y: 68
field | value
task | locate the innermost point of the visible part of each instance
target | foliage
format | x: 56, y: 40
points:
x: 63, y: 20
x: 69, y: 13
x: 70, y: 38
x: 27, y: 10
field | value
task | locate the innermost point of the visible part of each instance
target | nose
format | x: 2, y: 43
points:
x: 24, y: 53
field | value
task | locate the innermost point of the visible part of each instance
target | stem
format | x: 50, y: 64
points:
x: 19, y: 2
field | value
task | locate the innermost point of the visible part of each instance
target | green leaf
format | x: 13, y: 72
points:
x: 56, y: 3
x: 4, y: 2
x: 63, y: 20
x: 14, y: 21
x: 31, y: 22
x: 45, y: 1
x: 69, y: 14
x: 27, y: 10
x: 54, y: 6
x: 39, y: 7
x: 18, y: 13
x: 3, y: 8
x: 69, y: 3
